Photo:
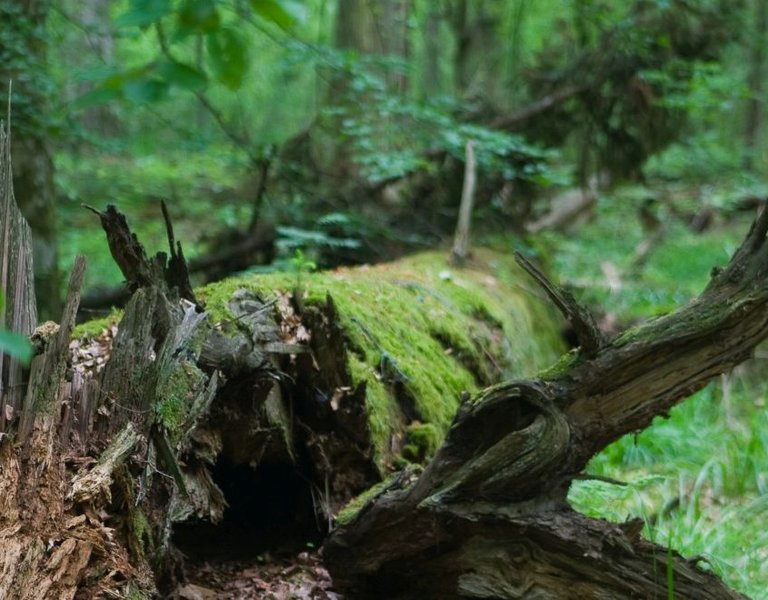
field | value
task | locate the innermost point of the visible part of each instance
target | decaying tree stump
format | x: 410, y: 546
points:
x: 18, y: 311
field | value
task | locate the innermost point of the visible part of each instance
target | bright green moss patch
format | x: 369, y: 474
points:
x: 421, y: 442
x: 384, y: 419
x: 93, y: 329
x: 176, y: 393
x: 141, y: 530
x: 421, y: 332
x: 347, y: 513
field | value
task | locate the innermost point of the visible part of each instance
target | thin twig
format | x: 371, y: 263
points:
x: 461, y: 251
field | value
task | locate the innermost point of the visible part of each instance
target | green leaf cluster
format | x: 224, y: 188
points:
x: 178, y: 26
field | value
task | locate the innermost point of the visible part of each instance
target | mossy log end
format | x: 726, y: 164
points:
x: 488, y: 518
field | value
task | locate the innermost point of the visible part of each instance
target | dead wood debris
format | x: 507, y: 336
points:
x: 302, y: 577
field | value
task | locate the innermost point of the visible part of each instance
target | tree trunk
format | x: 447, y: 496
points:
x: 478, y: 56
x: 19, y: 310
x: 108, y: 461
x: 130, y: 443
x: 94, y: 36
x: 755, y: 83
x: 430, y: 75
x: 23, y: 47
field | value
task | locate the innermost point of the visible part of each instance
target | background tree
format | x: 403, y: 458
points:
x: 23, y: 46
x: 754, y: 119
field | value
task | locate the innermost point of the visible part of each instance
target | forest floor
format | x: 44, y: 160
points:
x: 298, y: 577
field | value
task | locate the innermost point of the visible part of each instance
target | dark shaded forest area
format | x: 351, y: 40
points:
x: 383, y: 299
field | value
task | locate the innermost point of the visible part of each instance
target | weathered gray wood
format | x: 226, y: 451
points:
x: 19, y: 311
x: 43, y: 397
x: 93, y: 485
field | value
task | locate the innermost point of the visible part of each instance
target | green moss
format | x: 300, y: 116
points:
x: 134, y: 592
x: 419, y: 331
x: 141, y: 530
x: 176, y: 392
x: 93, y: 329
x: 383, y: 415
x: 555, y: 371
x: 421, y: 442
x: 354, y: 506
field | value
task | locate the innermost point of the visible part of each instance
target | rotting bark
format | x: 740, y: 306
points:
x: 488, y: 518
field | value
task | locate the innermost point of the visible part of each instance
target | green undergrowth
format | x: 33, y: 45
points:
x: 420, y: 332
x: 197, y: 187
x: 94, y: 328
x: 699, y: 480
x: 596, y: 261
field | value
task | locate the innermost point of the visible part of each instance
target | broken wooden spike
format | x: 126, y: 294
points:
x: 584, y: 326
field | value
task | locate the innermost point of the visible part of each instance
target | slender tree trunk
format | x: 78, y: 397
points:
x: 354, y: 27
x: 392, y: 29
x: 754, y: 117
x: 430, y: 80
x: 94, y: 37
x: 475, y: 25
x: 367, y: 29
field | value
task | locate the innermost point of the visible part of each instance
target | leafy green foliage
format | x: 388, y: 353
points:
x: 283, y: 13
x: 22, y: 35
x: 389, y: 136
x: 149, y: 83
x: 227, y: 56
x: 208, y: 20
x: 300, y: 265
x: 143, y: 13
x: 16, y: 345
x: 201, y: 16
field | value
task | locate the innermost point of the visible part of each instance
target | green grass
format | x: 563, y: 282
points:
x: 699, y: 479
x: 678, y: 268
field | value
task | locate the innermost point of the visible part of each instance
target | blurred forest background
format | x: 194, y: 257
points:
x: 621, y: 142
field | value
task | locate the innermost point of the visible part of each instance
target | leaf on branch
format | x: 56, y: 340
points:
x: 16, y: 345
x: 180, y: 75
x: 143, y: 13
x: 228, y: 57
x: 283, y: 13
x: 199, y: 16
x: 145, y: 90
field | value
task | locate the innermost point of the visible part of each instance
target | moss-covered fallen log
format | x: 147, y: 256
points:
x: 249, y: 413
